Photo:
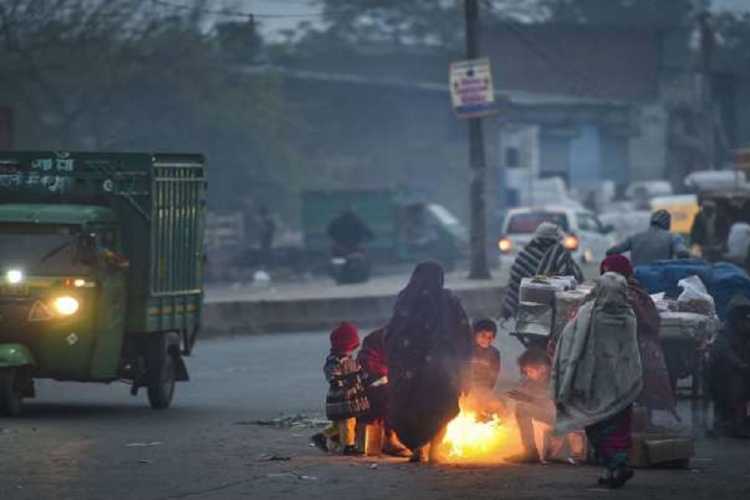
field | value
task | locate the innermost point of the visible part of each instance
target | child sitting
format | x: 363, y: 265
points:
x: 346, y: 399
x: 485, y: 363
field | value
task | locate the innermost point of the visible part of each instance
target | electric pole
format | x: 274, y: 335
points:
x: 477, y: 163
x: 706, y: 105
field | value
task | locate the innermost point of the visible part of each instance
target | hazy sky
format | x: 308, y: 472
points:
x: 307, y: 10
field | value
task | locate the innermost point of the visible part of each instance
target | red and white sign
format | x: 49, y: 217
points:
x: 472, y: 93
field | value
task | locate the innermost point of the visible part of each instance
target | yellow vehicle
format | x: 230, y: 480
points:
x: 682, y: 208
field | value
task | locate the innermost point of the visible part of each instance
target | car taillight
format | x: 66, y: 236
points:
x: 505, y: 245
x: 570, y: 242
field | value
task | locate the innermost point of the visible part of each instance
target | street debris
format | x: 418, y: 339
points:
x: 299, y: 421
x: 145, y: 461
x: 143, y: 445
x: 291, y: 475
x: 373, y: 466
x: 275, y: 458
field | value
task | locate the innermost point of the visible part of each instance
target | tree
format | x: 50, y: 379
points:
x: 620, y: 13
x: 132, y: 75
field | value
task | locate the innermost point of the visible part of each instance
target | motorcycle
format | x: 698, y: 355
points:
x: 349, y: 265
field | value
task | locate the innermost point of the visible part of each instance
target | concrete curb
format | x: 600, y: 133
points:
x: 246, y: 317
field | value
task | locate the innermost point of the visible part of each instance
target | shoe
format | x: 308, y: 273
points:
x: 352, y: 451
x: 606, y: 479
x: 397, y: 451
x: 320, y: 441
x: 621, y: 476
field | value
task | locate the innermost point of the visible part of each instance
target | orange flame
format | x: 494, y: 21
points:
x: 474, y: 436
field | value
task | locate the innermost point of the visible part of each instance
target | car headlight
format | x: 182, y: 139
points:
x: 14, y: 276
x: 570, y: 243
x: 66, y: 305
x: 505, y: 245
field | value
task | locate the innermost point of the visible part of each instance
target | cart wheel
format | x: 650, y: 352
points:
x: 161, y: 386
x: 10, y: 396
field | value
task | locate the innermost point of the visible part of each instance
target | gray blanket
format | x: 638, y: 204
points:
x: 596, y: 370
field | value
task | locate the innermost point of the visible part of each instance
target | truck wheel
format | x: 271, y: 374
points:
x: 161, y: 386
x: 10, y: 396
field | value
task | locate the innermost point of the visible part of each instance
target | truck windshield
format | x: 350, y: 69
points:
x: 40, y: 249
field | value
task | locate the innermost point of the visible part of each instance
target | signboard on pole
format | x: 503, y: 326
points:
x: 472, y: 93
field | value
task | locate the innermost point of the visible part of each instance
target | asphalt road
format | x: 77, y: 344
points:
x: 79, y: 441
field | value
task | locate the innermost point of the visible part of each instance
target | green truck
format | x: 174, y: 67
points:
x: 101, y: 270
x: 405, y: 228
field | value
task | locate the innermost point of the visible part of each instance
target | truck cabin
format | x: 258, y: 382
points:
x: 56, y: 240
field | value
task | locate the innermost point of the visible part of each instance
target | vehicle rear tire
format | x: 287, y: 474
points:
x: 161, y: 386
x: 10, y: 396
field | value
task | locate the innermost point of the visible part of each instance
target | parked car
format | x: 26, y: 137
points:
x: 586, y: 237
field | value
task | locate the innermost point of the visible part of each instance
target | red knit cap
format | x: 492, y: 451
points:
x: 344, y: 338
x: 617, y: 264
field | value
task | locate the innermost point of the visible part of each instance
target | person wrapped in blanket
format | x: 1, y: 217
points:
x: 428, y: 344
x: 597, y: 375
x: 657, y: 388
x: 729, y: 371
x: 544, y: 254
x: 346, y: 399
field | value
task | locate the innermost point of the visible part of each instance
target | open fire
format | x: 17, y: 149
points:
x: 477, y: 436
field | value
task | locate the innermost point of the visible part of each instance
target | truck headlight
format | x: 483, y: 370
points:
x: 14, y: 276
x: 66, y: 305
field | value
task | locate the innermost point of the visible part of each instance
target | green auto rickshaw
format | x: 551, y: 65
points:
x: 101, y: 270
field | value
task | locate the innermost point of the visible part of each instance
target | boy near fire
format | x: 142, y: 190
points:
x: 485, y: 361
x: 533, y: 401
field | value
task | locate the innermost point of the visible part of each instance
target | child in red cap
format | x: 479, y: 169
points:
x: 346, y: 399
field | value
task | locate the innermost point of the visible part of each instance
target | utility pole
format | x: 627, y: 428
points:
x: 477, y: 163
x: 705, y: 92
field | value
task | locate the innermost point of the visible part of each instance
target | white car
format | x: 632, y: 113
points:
x: 586, y: 237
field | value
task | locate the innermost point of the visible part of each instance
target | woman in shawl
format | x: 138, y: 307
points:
x: 597, y: 376
x: 544, y: 254
x: 428, y: 347
x: 657, y: 389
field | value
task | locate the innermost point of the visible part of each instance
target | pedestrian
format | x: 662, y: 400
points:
x: 544, y: 254
x: 375, y: 369
x: 428, y: 346
x: 705, y: 232
x: 738, y: 245
x: 597, y: 376
x: 485, y: 363
x: 654, y: 244
x: 346, y: 399
x: 658, y: 393
x: 267, y: 233
x: 729, y: 371
x: 348, y: 233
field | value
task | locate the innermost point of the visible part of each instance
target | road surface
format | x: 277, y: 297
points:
x: 97, y: 442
